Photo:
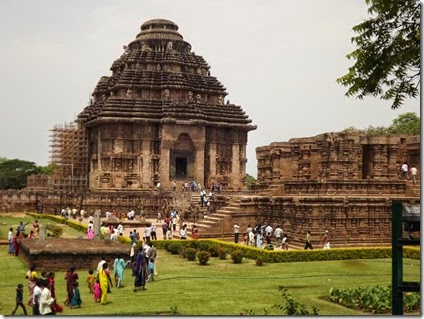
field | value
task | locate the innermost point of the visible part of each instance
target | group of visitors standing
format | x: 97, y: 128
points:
x: 404, y: 172
x: 262, y: 235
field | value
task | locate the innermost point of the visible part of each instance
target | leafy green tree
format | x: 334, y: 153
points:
x: 407, y: 123
x: 13, y: 173
x: 250, y: 180
x: 388, y: 52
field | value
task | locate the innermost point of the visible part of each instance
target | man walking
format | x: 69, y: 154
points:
x: 236, y: 232
x: 308, y: 243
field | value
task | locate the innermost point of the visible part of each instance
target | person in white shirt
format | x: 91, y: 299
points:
x: 268, y: 233
x: 183, y: 232
x: 278, y: 233
x: 405, y: 170
x: 36, y: 294
x: 46, y: 299
x: 236, y: 232
x: 414, y: 172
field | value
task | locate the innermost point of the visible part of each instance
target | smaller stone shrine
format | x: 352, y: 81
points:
x: 58, y: 254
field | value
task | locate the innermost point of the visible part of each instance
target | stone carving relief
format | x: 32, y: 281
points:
x: 128, y: 94
x: 169, y: 46
x: 158, y: 68
x: 220, y: 100
x: 190, y: 96
x: 198, y: 98
x: 166, y: 95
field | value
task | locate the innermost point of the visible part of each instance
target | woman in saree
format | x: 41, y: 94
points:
x: 105, y: 280
x: 32, y: 277
x: 140, y: 271
x: 71, y: 277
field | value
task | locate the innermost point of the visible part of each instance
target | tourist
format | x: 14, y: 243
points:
x: 147, y: 233
x: 195, y: 235
x: 31, y: 234
x: 183, y: 232
x: 308, y: 243
x: 105, y: 282
x: 118, y: 270
x: 150, y: 270
x: 278, y: 233
x: 159, y: 217
x: 19, y: 299
x: 90, y: 281
x: 169, y: 233
x: 32, y: 277
x: 258, y: 239
x: 133, y: 238
x: 76, y: 297
x: 164, y: 229
x: 46, y: 301
x: 36, y: 228
x: 325, y: 241
x: 153, y: 232
x: 140, y: 271
x: 414, y: 172
x: 51, y: 286
x: 133, y: 255
x: 90, y: 231
x: 97, y: 292
x: 21, y: 227
x: 120, y: 228
x: 174, y: 222
x: 268, y: 233
x: 405, y: 171
x: 11, y: 250
x: 236, y: 232
x: 251, y: 241
x: 35, y: 301
x: 71, y: 277
x: 174, y: 186
x: 18, y: 235
x: 285, y: 242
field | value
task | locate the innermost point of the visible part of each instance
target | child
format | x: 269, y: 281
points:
x: 150, y: 270
x: 97, y: 292
x: 90, y: 281
x: 76, y: 298
x: 20, y: 299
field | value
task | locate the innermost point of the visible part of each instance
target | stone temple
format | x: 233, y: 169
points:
x: 162, y: 117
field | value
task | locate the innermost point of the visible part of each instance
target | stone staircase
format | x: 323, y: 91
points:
x: 218, y: 224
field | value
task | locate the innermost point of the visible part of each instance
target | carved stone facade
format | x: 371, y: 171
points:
x: 337, y: 156
x: 161, y: 117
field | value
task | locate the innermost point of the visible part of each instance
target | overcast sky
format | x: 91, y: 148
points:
x: 278, y: 59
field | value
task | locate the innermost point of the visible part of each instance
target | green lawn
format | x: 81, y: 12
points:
x: 220, y: 288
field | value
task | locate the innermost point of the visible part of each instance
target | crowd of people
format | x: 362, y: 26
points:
x: 262, y: 236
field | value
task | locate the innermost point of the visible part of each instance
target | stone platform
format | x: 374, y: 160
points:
x: 61, y: 253
x: 130, y: 224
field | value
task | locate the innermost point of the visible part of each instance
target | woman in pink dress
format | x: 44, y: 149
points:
x: 90, y: 231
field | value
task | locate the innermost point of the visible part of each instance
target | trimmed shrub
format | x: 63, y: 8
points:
x: 191, y: 254
x: 203, y: 257
x: 55, y: 230
x: 259, y: 261
x: 222, y: 252
x: 237, y: 256
x: 174, y: 248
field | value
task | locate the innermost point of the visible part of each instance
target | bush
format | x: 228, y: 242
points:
x: 213, y: 249
x: 191, y: 254
x: 269, y: 247
x: 222, y: 252
x: 237, y: 256
x: 174, y: 248
x: 203, y: 257
x: 55, y: 230
x: 259, y: 261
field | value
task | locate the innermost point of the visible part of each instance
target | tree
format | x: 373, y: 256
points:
x: 13, y: 173
x: 407, y: 123
x: 388, y: 54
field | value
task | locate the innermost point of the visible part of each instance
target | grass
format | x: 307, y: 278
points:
x: 220, y: 288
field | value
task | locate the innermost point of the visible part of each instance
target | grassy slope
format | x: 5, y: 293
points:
x: 220, y: 288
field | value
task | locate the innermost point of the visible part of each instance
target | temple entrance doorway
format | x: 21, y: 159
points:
x: 181, y: 167
x: 182, y: 159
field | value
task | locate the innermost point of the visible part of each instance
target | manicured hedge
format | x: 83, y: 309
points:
x: 269, y: 256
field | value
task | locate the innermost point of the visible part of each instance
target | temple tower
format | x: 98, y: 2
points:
x: 162, y: 117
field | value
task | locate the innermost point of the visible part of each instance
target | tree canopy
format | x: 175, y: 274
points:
x: 13, y: 173
x: 407, y: 123
x: 388, y: 53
